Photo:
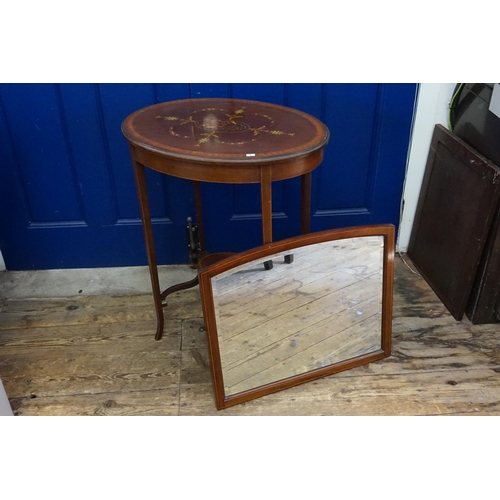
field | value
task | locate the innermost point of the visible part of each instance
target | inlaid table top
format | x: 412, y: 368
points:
x: 225, y: 131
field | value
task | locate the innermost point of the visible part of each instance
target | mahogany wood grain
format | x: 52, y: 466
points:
x: 305, y: 186
x: 238, y: 173
x: 266, y: 200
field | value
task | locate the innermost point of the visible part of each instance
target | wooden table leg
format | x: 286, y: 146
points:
x: 305, y: 187
x: 199, y: 214
x: 142, y: 193
x: 266, y: 208
x: 266, y: 203
x: 305, y: 195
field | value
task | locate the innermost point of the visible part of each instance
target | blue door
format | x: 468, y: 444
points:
x: 67, y: 193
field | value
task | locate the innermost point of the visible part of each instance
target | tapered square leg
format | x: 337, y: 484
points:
x: 142, y: 193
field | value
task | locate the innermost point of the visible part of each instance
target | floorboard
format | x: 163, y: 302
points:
x: 96, y: 355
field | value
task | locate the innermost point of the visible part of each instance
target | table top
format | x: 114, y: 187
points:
x: 225, y: 131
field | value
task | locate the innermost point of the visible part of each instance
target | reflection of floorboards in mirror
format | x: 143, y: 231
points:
x: 304, y: 258
x: 273, y: 294
x: 319, y: 257
x: 276, y: 325
x: 356, y: 339
x: 331, y: 340
x: 255, y: 309
x: 303, y: 334
x: 284, y: 324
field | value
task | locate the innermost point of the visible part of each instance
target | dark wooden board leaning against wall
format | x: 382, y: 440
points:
x: 457, y: 204
x: 484, y: 302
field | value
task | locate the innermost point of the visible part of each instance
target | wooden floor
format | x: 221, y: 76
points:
x: 96, y: 355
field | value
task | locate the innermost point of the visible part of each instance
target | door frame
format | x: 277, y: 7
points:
x: 431, y: 108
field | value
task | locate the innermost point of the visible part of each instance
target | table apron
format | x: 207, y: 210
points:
x: 228, y: 173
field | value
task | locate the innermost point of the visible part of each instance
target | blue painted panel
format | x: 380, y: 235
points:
x: 384, y: 162
x: 341, y: 181
x: 260, y: 92
x: 14, y: 211
x: 115, y: 103
x: 43, y: 159
x: 246, y: 200
x: 307, y: 97
x: 209, y: 90
x: 397, y: 103
x: 171, y: 91
x: 91, y: 150
x: 90, y: 155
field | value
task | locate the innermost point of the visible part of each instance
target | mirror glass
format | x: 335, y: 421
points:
x: 323, y: 308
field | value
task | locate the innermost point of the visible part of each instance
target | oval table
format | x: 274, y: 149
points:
x: 231, y: 141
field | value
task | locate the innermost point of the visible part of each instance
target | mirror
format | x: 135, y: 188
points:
x: 328, y: 310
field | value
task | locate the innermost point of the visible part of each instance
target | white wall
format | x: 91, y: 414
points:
x: 432, y: 108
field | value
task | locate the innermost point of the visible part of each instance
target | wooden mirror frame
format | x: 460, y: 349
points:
x: 387, y: 231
